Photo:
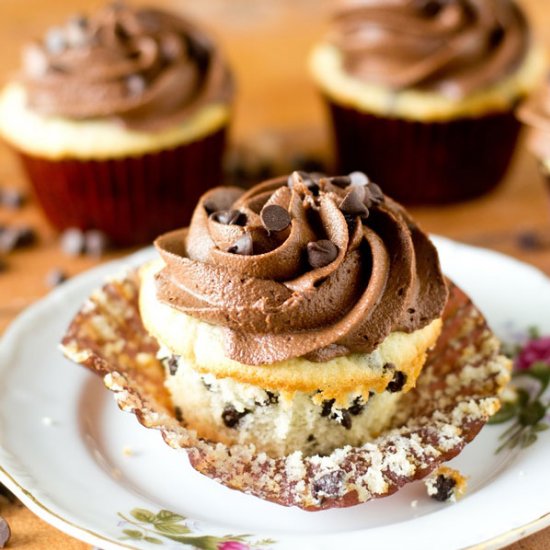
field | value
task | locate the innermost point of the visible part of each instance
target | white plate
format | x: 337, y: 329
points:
x: 79, y: 463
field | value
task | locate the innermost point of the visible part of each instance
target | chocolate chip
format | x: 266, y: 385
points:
x: 444, y: 486
x: 358, y: 179
x: 172, y: 364
x: 229, y: 217
x: 326, y: 407
x: 231, y: 416
x: 275, y: 217
x: 353, y: 204
x: 357, y: 406
x: 12, y: 198
x: 55, y: 40
x: 340, y: 181
x: 244, y: 246
x: 96, y: 243
x: 321, y: 253
x: 373, y: 194
x: 397, y: 383
x: 272, y: 398
x: 5, y: 532
x: 345, y: 419
x: 311, y: 438
x: 178, y: 413
x: 304, y: 178
x: 55, y: 277
x: 328, y: 485
x: 72, y: 242
x: 12, y: 238
x: 7, y: 494
x: 136, y: 84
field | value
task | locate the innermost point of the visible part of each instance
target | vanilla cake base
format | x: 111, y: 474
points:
x: 234, y: 413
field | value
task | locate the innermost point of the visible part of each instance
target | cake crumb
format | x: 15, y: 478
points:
x: 127, y: 451
x: 446, y: 484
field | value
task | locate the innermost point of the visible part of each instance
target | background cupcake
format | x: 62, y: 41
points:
x: 422, y: 93
x: 120, y: 121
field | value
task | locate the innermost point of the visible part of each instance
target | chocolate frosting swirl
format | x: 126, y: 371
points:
x: 454, y: 47
x: 536, y: 113
x: 349, y: 268
x: 144, y: 67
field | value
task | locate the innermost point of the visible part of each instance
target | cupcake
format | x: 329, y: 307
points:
x: 535, y: 113
x: 299, y: 341
x: 293, y: 316
x: 422, y: 94
x: 120, y: 121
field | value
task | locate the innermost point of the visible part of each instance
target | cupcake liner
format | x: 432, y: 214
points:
x: 426, y: 162
x: 454, y: 397
x: 131, y: 199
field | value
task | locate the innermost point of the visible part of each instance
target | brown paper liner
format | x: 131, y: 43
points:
x: 455, y: 395
x: 131, y: 199
x: 425, y: 162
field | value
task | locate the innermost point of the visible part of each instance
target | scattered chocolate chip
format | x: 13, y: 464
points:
x: 353, y: 204
x: 231, y: 416
x: 229, y: 217
x: 7, y: 494
x: 311, y: 438
x: 12, y: 198
x: 358, y: 179
x: 444, y: 486
x: 136, y: 84
x: 5, y: 532
x: 275, y: 217
x: 304, y: 178
x: 340, y: 181
x: 345, y: 419
x: 398, y: 381
x: 173, y: 364
x: 96, y: 243
x: 326, y: 407
x: 321, y: 253
x: 72, y: 242
x: 357, y: 406
x: 244, y: 246
x: 55, y: 40
x: 55, y: 277
x: 178, y: 413
x: 15, y: 237
x: 329, y: 485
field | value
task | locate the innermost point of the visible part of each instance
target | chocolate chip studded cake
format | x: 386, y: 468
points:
x: 293, y: 316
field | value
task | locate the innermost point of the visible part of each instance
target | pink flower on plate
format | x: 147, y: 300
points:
x: 537, y: 350
x: 233, y: 545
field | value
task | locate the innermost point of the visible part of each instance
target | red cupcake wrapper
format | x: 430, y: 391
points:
x: 131, y: 199
x: 426, y: 162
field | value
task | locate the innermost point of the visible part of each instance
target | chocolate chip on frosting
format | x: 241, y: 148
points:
x: 244, y: 246
x: 321, y: 253
x: 373, y: 195
x: 229, y: 217
x: 339, y: 181
x: 304, y: 178
x: 275, y: 217
x: 353, y: 203
x: 358, y: 178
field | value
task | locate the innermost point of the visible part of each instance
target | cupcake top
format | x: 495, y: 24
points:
x: 453, y: 47
x: 143, y: 67
x: 308, y: 266
x: 536, y: 114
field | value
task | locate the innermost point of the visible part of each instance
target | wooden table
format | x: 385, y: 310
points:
x: 267, y: 42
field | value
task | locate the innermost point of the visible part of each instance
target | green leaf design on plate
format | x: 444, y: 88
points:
x: 133, y: 534
x: 143, y: 515
x: 172, y: 529
x: 165, y: 516
x: 152, y: 540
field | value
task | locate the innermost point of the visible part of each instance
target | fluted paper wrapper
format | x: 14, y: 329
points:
x: 456, y: 393
x: 425, y: 162
x: 132, y: 199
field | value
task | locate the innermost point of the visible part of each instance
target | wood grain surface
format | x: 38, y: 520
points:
x: 267, y: 42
